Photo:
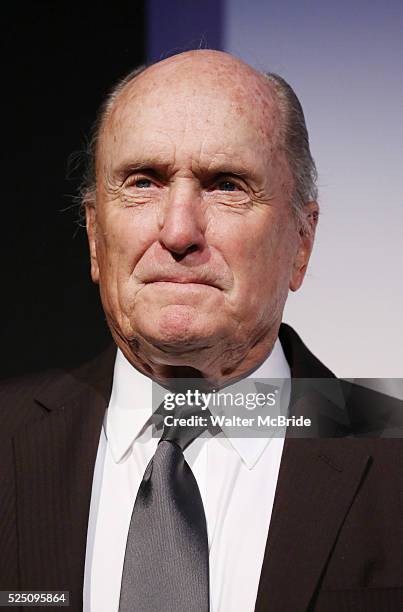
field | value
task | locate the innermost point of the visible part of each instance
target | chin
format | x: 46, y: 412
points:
x: 178, y: 328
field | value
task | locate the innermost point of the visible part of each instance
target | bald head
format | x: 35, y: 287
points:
x: 202, y: 62
x: 193, y: 71
x: 185, y: 84
x: 265, y: 99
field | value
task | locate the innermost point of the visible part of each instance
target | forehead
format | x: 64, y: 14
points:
x: 204, y: 110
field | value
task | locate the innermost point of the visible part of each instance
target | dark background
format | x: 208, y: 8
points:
x: 59, y: 60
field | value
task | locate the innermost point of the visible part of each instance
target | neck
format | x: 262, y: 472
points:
x: 216, y: 366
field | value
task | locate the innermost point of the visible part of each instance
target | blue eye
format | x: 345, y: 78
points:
x: 227, y: 186
x: 143, y: 183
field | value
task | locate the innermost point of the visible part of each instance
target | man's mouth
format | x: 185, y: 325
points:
x: 183, y: 281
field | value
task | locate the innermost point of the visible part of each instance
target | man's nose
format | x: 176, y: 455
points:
x: 183, y: 222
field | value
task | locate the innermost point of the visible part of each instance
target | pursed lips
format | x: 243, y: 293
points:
x: 183, y: 281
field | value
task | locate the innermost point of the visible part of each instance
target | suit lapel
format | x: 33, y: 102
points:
x: 55, y: 458
x: 317, y: 482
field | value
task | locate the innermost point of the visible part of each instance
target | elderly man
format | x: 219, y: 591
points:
x: 201, y: 212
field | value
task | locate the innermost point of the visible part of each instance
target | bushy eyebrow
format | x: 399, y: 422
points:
x: 157, y: 168
x: 149, y: 165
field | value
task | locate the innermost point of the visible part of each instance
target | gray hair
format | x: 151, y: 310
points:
x: 294, y: 141
x: 88, y: 185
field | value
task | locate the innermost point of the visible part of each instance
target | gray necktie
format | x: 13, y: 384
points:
x: 166, y: 566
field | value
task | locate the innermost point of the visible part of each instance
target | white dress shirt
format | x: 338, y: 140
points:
x: 237, y: 478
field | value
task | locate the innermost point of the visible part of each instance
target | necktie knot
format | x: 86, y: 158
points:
x: 185, y: 424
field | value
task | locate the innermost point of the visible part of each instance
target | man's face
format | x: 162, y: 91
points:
x: 192, y: 239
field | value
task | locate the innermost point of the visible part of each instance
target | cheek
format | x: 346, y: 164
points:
x: 122, y: 241
x: 262, y: 264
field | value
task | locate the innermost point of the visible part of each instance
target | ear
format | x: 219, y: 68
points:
x: 91, y: 221
x: 310, y: 215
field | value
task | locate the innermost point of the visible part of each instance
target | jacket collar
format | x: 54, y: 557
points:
x: 318, y: 480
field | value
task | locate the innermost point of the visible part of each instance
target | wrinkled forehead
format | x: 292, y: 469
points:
x: 214, y: 107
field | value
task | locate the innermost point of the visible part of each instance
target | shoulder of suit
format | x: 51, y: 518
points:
x: 373, y: 413
x: 26, y: 399
x: 17, y: 400
x: 370, y: 413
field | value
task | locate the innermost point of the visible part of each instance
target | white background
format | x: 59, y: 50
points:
x: 345, y: 62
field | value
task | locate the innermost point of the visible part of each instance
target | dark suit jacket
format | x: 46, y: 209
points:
x: 336, y: 535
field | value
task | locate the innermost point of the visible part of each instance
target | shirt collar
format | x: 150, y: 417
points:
x: 275, y: 366
x: 130, y: 406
